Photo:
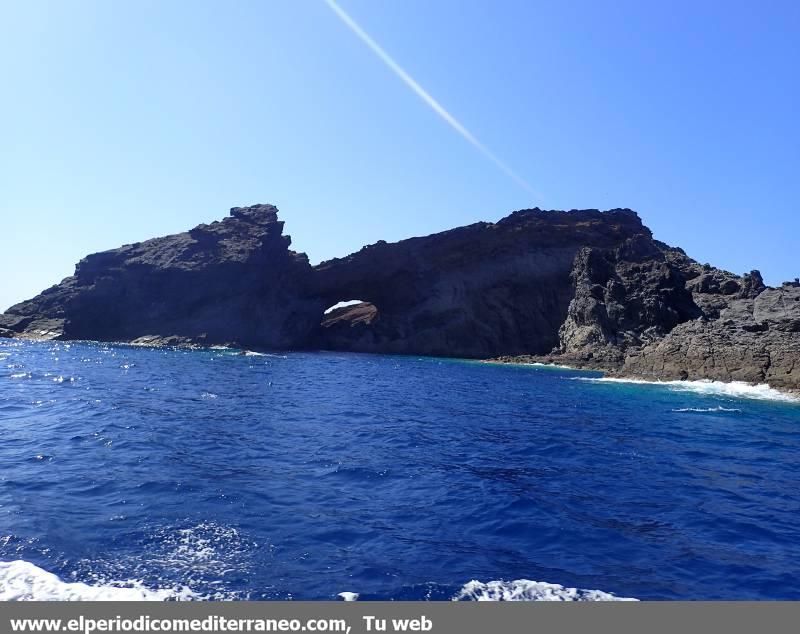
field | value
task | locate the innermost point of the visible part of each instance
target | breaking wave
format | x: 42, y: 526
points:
x: 707, y: 387
x: 552, y: 366
x: 719, y: 408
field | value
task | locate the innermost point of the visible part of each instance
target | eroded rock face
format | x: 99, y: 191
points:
x: 478, y: 291
x: 624, y: 297
x: 350, y: 328
x: 234, y: 281
x: 583, y: 287
x: 745, y: 331
x: 754, y: 340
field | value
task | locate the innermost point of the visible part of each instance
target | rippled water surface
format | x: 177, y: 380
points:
x: 306, y: 475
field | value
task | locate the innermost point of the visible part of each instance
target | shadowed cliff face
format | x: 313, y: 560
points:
x: 593, y: 288
x: 477, y: 291
x: 624, y: 297
x: 234, y: 281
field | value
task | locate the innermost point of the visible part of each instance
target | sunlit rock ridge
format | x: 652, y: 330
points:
x: 581, y: 287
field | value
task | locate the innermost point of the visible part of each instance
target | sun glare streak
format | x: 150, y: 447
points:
x: 424, y: 95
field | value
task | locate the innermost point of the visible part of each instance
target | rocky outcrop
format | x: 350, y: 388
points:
x: 234, y: 281
x: 753, y: 339
x: 478, y: 291
x: 624, y: 297
x: 744, y: 332
x: 664, y: 316
x: 583, y: 287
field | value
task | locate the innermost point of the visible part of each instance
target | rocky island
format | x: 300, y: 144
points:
x: 583, y: 287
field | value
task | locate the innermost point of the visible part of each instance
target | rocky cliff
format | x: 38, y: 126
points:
x: 234, y: 281
x: 661, y: 315
x: 745, y: 333
x: 585, y: 287
x: 478, y: 291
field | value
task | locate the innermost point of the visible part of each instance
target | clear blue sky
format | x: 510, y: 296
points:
x: 126, y: 120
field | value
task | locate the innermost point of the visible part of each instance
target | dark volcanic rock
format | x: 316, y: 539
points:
x: 477, y: 291
x: 754, y: 340
x: 583, y: 287
x: 624, y: 297
x: 350, y: 328
x: 234, y: 281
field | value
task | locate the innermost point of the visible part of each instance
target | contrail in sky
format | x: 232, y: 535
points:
x: 423, y: 94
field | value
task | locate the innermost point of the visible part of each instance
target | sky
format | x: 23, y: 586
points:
x: 384, y: 119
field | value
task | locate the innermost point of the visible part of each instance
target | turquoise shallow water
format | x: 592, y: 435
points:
x: 304, y: 475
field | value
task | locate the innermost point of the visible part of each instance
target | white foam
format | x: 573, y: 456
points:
x: 553, y: 366
x: 207, y: 549
x: 733, y: 389
x: 719, y: 408
x: 253, y: 353
x: 527, y: 590
x: 23, y: 581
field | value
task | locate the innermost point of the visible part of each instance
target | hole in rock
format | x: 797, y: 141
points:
x: 351, y: 311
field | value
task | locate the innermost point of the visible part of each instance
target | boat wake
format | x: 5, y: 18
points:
x: 526, y: 590
x: 23, y: 581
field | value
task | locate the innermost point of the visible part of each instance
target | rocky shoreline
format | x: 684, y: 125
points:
x: 580, y: 288
x: 617, y: 372
x: 750, y: 335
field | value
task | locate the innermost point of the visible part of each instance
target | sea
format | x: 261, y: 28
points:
x: 216, y: 474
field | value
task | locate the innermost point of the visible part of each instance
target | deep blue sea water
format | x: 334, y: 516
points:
x: 309, y: 474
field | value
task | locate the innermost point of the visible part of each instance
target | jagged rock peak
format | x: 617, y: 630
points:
x: 262, y: 213
x: 752, y: 285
